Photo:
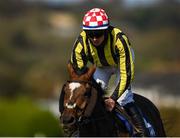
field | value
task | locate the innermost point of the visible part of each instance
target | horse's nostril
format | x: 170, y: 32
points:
x: 71, y: 120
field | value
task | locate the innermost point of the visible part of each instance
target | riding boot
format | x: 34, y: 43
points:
x: 137, y: 119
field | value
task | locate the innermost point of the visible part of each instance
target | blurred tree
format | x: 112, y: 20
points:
x: 11, y: 8
x: 20, y: 40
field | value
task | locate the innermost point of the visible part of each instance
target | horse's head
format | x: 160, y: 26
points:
x: 79, y: 96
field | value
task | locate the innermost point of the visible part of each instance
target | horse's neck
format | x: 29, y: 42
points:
x: 99, y: 109
x: 97, y: 87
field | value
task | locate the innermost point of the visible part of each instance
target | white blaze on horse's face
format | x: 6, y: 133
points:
x: 73, y: 86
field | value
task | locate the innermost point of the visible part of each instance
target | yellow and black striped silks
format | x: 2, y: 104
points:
x: 115, y: 51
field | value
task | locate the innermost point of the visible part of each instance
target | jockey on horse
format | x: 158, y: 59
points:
x: 109, y: 49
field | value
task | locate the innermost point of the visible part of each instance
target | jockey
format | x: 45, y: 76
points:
x: 109, y: 49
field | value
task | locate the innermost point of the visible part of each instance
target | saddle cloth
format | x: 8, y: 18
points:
x: 127, y: 122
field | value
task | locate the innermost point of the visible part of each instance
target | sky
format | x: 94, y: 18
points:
x: 132, y: 3
x: 129, y: 3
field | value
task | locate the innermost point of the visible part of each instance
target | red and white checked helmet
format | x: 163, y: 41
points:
x: 95, y: 19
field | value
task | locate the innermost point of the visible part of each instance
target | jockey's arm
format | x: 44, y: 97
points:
x: 126, y: 65
x: 78, y: 57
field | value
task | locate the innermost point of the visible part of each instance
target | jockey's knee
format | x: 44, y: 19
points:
x: 125, y: 98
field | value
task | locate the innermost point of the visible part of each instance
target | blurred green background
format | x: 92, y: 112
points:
x: 36, y: 38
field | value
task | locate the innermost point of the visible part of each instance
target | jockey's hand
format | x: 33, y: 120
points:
x: 110, y: 104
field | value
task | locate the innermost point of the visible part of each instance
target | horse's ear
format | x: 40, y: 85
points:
x: 91, y: 71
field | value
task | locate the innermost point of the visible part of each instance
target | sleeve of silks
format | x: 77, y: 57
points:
x: 78, y: 56
x: 126, y: 65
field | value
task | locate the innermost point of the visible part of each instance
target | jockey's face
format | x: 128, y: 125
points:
x: 96, y: 37
x: 97, y: 41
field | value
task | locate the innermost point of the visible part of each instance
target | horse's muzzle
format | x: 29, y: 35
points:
x: 68, y: 120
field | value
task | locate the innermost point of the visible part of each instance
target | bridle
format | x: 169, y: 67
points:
x: 72, y: 106
x: 84, y: 117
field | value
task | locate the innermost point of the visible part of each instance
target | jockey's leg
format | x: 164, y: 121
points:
x: 137, y: 118
x: 126, y: 100
x: 102, y: 76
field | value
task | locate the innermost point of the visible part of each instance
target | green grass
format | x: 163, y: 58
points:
x: 23, y: 118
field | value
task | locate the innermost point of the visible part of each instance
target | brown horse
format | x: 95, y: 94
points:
x: 83, y: 111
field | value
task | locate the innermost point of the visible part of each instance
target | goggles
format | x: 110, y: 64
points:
x: 95, y: 33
